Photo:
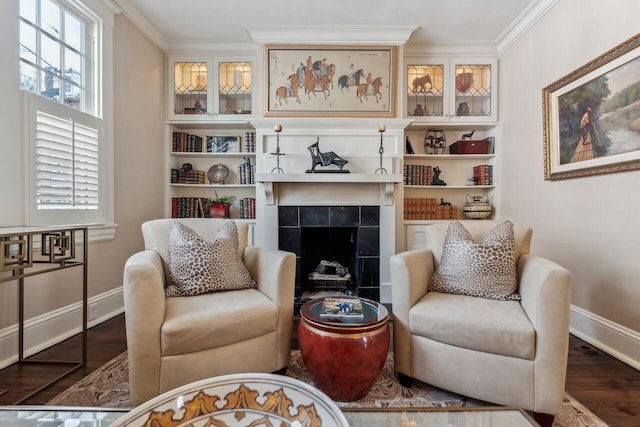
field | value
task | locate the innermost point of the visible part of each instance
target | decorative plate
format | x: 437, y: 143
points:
x: 217, y: 173
x: 238, y: 400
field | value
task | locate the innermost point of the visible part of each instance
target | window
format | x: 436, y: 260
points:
x: 56, y: 42
x: 66, y: 48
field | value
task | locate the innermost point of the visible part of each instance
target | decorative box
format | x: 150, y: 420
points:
x: 470, y: 147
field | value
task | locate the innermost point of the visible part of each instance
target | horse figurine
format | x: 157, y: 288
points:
x: 324, y: 159
x: 467, y: 136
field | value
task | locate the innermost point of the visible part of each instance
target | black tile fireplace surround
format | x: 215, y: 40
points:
x: 349, y: 235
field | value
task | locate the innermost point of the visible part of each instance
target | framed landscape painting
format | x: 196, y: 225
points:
x: 592, y: 116
x: 339, y: 81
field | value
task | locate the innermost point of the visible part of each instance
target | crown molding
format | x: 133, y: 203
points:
x: 358, y: 34
x: 534, y: 11
x: 142, y: 23
x: 468, y: 48
x: 200, y: 45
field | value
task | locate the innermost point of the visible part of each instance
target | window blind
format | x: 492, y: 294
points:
x: 67, y: 166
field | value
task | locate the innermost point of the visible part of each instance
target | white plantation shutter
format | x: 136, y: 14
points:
x: 65, y: 152
x: 66, y: 164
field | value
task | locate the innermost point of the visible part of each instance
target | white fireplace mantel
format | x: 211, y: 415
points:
x: 386, y: 182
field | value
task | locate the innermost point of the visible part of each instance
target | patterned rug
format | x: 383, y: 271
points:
x: 108, y: 386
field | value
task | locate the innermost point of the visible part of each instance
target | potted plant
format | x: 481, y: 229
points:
x: 219, y: 206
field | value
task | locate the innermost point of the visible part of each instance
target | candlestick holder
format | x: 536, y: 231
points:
x: 381, y: 170
x: 277, y: 169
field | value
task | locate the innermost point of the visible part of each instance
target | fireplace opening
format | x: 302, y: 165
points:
x: 344, y: 235
x: 329, y: 260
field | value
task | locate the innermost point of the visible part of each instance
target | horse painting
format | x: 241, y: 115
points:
x: 313, y: 83
x: 350, y: 80
x: 289, y: 91
x: 370, y: 89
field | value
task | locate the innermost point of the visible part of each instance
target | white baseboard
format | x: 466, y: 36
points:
x: 618, y: 341
x: 48, y: 329
x: 385, y: 293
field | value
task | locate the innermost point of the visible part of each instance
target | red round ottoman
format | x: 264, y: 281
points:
x: 344, y: 355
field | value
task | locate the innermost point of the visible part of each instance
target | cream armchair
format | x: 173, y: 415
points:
x: 175, y: 341
x: 507, y: 352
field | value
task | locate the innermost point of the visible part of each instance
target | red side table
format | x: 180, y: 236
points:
x: 344, y: 355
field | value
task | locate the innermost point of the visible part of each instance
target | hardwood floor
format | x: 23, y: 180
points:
x: 606, y: 386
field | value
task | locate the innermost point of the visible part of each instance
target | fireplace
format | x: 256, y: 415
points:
x: 348, y: 236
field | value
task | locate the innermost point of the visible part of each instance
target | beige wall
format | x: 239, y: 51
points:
x: 589, y: 224
x: 138, y: 177
x: 139, y: 101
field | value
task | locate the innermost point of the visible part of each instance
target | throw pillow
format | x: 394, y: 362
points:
x: 486, y: 269
x: 198, y: 266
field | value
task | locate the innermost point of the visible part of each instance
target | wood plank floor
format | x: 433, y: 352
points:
x: 603, y: 384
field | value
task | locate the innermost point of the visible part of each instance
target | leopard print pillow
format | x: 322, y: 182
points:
x: 198, y: 266
x: 486, y: 269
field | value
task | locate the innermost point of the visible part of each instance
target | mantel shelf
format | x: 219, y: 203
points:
x: 386, y: 181
x: 311, y: 178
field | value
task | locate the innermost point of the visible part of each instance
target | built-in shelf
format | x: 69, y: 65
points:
x: 449, y: 187
x: 214, y: 185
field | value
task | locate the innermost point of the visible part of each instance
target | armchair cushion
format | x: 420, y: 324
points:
x: 199, y: 266
x: 486, y: 269
x: 480, y: 324
x: 191, y: 325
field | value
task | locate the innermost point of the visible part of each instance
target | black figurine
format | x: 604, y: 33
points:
x: 436, y: 177
x: 324, y: 159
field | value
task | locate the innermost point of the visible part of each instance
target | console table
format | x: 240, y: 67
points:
x: 31, y: 251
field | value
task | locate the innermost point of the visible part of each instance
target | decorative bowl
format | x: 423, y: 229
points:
x: 238, y: 400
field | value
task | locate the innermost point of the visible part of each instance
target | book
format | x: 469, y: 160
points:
x: 341, y: 307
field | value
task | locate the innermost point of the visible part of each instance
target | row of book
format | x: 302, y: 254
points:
x: 196, y: 207
x: 417, y: 175
x: 191, y: 176
x: 416, y: 208
x: 246, y: 173
x: 483, y: 175
x: 184, y: 142
x: 249, y: 142
x: 247, y: 208
x: 189, y: 207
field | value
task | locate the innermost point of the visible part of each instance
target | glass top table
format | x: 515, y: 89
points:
x: 38, y: 416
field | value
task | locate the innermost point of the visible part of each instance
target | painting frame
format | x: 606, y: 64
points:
x: 584, y: 108
x: 330, y: 80
x: 223, y: 144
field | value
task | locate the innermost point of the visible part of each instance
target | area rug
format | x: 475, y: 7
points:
x: 108, y: 386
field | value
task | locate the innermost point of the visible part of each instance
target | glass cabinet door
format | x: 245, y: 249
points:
x: 234, y: 91
x: 473, y: 85
x: 426, y: 90
x: 190, y: 89
x: 446, y: 90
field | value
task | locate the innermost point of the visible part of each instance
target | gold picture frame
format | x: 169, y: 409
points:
x: 330, y: 81
x: 591, y: 117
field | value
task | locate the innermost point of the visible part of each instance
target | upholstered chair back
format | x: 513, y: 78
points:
x: 435, y: 235
x: 156, y: 234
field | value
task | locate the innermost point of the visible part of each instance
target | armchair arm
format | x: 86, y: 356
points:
x: 144, y: 304
x: 546, y: 296
x: 410, y: 275
x: 275, y: 273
